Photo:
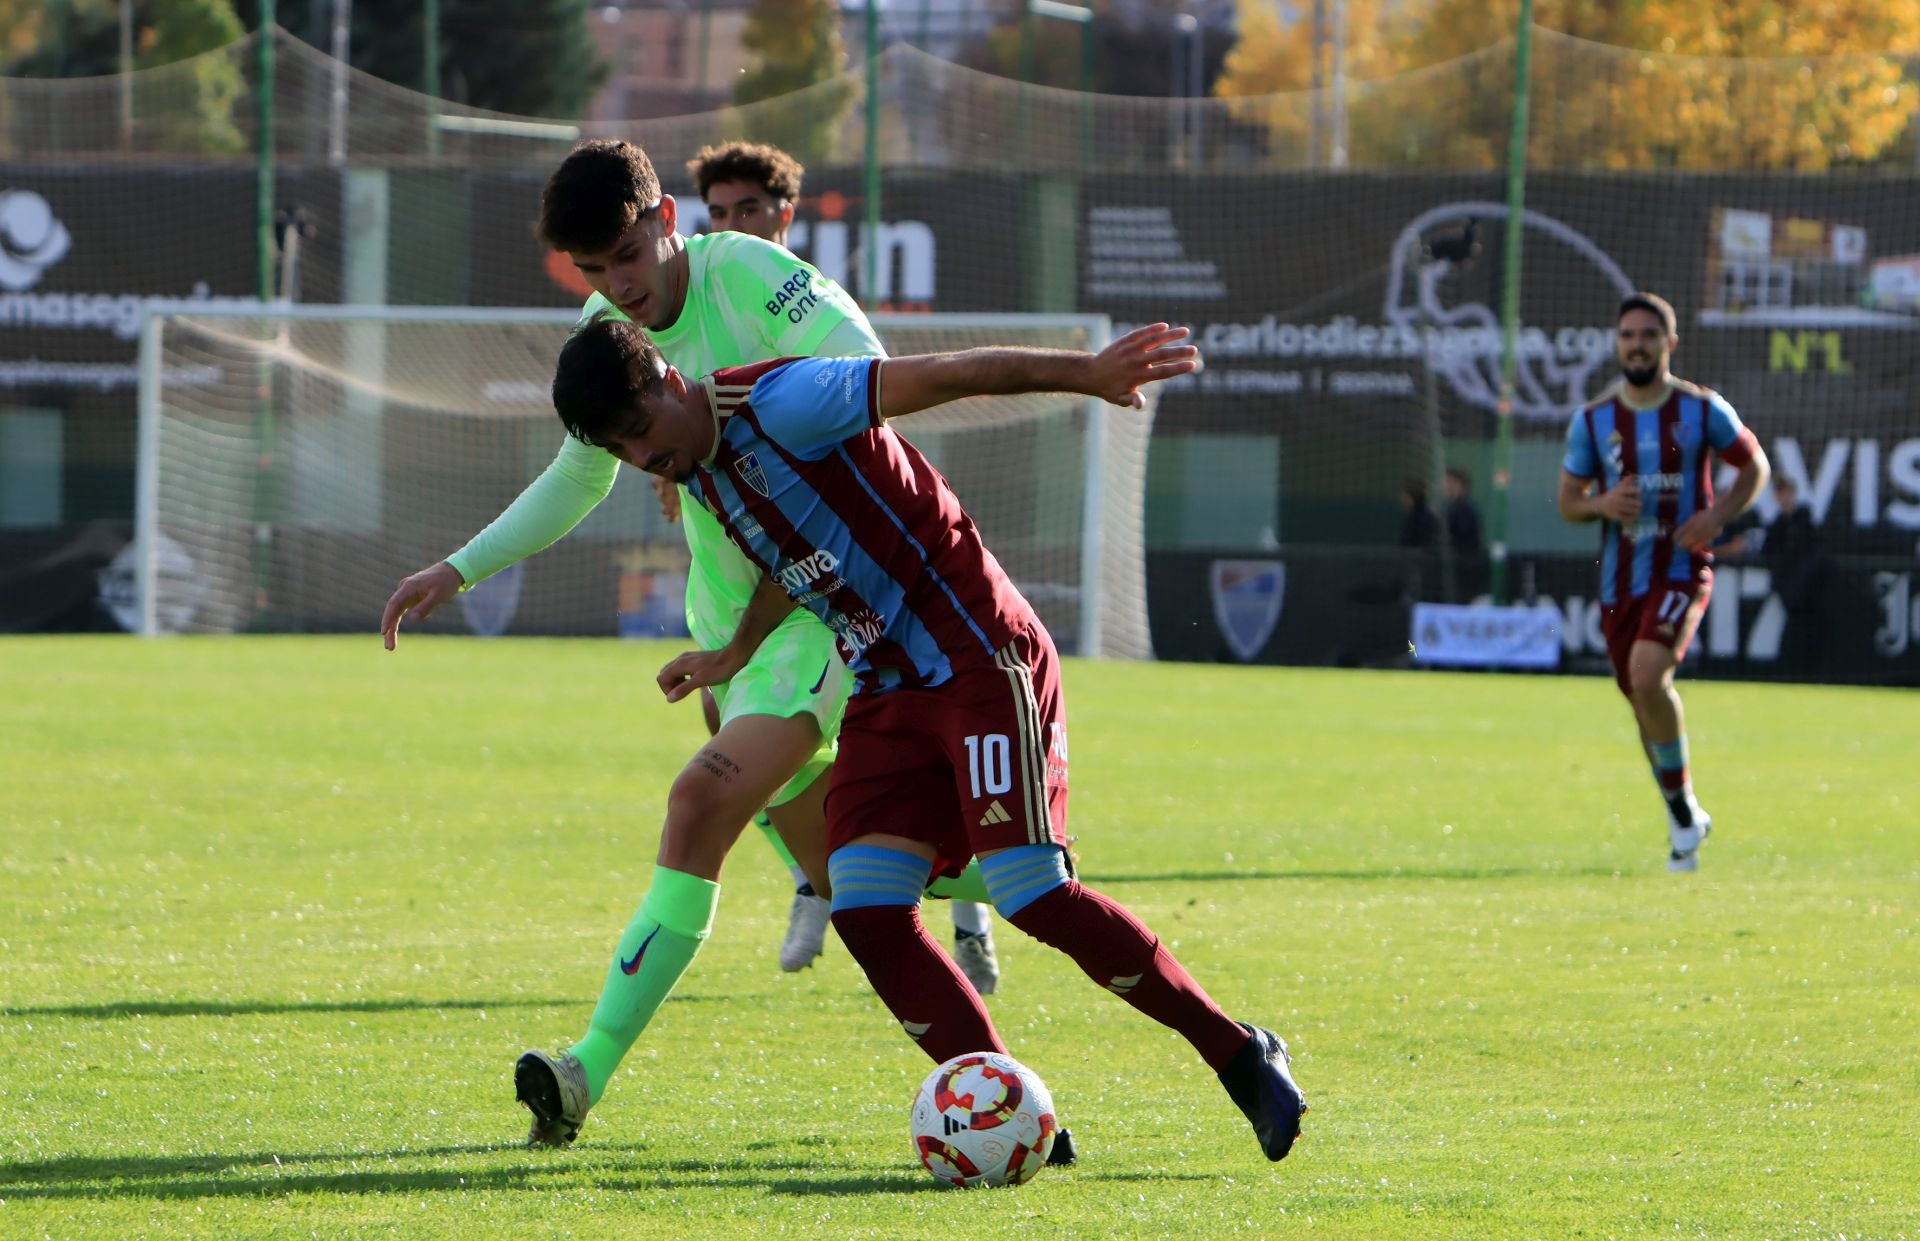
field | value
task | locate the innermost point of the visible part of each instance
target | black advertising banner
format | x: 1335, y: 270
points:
x: 1358, y: 316
x: 947, y: 243
x: 83, y: 250
x: 1353, y: 608
x: 1353, y: 323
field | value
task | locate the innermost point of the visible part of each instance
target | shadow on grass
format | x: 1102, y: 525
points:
x: 267, y: 1175
x: 253, y: 1008
x: 1387, y: 872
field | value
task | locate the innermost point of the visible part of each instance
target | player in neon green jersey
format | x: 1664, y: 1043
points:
x: 718, y: 300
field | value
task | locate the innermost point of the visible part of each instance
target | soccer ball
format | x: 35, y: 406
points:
x: 983, y: 1119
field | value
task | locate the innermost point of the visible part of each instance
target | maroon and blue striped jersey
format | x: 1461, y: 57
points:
x: 1670, y: 448
x: 854, y: 523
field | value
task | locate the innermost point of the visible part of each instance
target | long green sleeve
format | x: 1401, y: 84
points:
x: 554, y: 503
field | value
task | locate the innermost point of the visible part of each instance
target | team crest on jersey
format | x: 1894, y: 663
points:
x: 1614, y: 457
x: 748, y: 468
x: 1247, y: 596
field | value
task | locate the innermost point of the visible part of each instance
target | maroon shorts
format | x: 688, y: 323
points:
x: 1668, y: 614
x: 977, y: 764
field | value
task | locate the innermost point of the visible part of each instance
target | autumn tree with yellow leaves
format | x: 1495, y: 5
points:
x: 1714, y: 85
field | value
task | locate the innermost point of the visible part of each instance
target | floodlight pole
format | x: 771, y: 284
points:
x: 1510, y: 309
x: 1081, y: 16
x: 1317, y: 126
x: 126, y: 75
x: 1184, y: 64
x: 870, y: 243
x: 1338, y: 109
x: 263, y: 198
x: 706, y: 43
x: 430, y: 54
x: 337, y: 88
x: 1197, y: 75
x: 263, y: 373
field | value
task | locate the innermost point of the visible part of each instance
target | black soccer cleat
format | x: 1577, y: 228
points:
x: 1062, y: 1155
x: 1259, y: 1081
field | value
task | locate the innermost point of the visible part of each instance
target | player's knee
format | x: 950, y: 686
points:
x: 1019, y: 876
x: 1649, y: 687
x: 875, y: 877
x: 695, y: 800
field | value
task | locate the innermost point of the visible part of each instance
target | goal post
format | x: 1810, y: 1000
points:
x: 296, y: 461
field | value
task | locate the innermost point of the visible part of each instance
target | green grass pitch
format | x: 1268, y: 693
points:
x: 276, y: 916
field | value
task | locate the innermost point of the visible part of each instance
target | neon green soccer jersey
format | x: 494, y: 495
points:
x: 748, y: 300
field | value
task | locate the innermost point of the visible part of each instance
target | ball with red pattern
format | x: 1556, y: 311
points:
x: 983, y: 1119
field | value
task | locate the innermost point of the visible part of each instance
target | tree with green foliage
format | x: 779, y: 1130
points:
x: 525, y: 57
x: 81, y: 38
x: 800, y: 54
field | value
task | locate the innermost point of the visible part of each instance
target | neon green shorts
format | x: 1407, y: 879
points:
x: 797, y: 671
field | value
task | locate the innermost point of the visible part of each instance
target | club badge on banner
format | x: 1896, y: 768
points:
x: 1465, y: 636
x: 1247, y: 597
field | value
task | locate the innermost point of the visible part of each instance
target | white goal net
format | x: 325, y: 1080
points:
x: 296, y: 462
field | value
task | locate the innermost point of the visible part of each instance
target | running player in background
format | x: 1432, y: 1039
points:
x: 955, y: 740
x: 716, y: 300
x: 752, y: 188
x: 1640, y: 462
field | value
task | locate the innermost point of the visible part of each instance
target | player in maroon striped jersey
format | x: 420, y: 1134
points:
x: 1640, y: 462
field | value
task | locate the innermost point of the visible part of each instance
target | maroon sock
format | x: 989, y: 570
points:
x: 1121, y: 954
x: 920, y: 985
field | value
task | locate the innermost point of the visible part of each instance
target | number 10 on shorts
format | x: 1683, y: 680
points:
x: 990, y: 764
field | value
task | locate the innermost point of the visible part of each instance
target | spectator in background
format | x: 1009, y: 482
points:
x: 1420, y: 532
x: 1791, y: 551
x: 1463, y: 516
x: 1419, y: 528
x: 1464, y: 537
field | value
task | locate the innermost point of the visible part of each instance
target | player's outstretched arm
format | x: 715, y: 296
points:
x: 1115, y: 374
x: 553, y: 504
x: 694, y: 670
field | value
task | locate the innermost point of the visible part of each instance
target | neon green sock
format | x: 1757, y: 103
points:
x: 968, y: 886
x: 779, y: 846
x: 672, y: 922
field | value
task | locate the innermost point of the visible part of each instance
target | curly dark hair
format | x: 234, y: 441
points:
x: 768, y: 167
x: 596, y: 193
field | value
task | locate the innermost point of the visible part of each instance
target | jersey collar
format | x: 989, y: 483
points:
x: 713, y: 408
x: 1666, y: 390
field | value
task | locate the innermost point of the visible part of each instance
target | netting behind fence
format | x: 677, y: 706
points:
x: 1348, y: 314
x: 298, y: 466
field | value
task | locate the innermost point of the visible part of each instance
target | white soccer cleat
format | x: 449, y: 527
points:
x: 1684, y: 841
x: 554, y: 1089
x: 976, y: 958
x: 806, y: 931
